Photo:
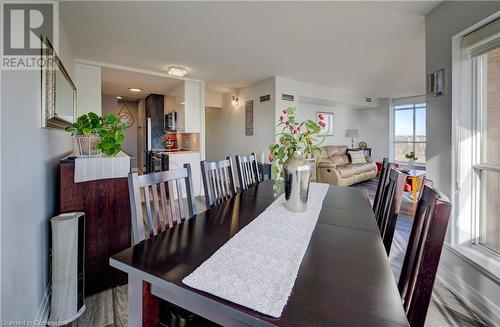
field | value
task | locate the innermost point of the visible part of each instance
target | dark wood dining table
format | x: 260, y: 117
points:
x: 345, y: 278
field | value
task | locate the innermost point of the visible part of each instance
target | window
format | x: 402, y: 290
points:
x: 409, y: 129
x: 486, y: 72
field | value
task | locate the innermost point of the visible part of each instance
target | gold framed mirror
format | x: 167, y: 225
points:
x: 58, y: 90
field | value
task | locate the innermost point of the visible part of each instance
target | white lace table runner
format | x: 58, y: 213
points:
x: 257, y: 268
x: 89, y: 169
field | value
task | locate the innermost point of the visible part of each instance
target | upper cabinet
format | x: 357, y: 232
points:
x: 192, y: 107
x: 187, y: 104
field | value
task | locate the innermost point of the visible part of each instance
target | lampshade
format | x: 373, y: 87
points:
x: 351, y: 132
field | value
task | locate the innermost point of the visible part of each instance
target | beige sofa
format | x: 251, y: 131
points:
x: 336, y: 168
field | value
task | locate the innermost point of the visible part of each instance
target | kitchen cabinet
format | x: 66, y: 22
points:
x: 187, y: 103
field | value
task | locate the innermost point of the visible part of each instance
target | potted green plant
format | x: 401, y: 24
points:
x: 112, y: 134
x: 85, y: 132
x: 411, y: 159
x: 94, y: 135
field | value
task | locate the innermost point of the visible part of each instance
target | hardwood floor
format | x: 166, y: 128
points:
x: 109, y: 308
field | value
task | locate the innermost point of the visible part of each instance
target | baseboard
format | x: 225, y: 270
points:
x: 481, y: 305
x: 42, y: 315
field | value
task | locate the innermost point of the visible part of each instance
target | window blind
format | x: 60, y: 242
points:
x: 408, y: 100
x: 483, y: 39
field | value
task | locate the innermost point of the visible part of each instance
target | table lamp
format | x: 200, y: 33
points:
x: 352, y: 133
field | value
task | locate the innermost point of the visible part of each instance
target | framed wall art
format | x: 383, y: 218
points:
x: 328, y: 119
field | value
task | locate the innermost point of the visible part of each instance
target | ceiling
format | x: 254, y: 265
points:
x: 373, y: 48
x: 117, y: 82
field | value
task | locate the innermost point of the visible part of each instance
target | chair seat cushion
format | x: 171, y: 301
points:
x: 362, y: 168
x: 339, y: 160
x: 346, y: 171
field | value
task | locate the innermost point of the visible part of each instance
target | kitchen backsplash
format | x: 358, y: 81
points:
x: 188, y: 141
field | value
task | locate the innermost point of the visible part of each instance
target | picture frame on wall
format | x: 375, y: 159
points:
x: 328, y: 119
x: 436, y: 82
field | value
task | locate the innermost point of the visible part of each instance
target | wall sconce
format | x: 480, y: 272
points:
x: 234, y: 100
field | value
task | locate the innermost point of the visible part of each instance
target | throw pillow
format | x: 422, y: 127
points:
x: 357, y: 157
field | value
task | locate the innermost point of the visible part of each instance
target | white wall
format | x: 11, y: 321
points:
x: 372, y: 124
x: 335, y: 97
x: 225, y: 127
x: 88, y: 83
x: 213, y: 100
x: 343, y: 118
x: 374, y: 129
x: 466, y: 279
x: 111, y: 104
x: 29, y: 190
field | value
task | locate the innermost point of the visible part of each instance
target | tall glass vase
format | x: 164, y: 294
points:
x: 297, y: 178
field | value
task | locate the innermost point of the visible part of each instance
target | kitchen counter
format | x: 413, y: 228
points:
x: 177, y: 159
x: 173, y: 152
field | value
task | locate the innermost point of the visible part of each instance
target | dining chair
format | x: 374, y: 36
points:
x: 423, y: 253
x: 390, y: 205
x: 163, y: 204
x: 218, y: 181
x: 382, y: 182
x: 425, y: 181
x: 248, y: 171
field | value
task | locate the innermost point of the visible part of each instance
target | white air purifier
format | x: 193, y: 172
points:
x: 68, y: 254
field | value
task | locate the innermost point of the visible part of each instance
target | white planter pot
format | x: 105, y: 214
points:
x: 84, y: 146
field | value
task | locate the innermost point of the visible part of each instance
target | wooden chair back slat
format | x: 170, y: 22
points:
x: 156, y: 208
x: 423, y: 253
x: 218, y: 181
x: 190, y: 191
x: 149, y: 214
x: 182, y: 212
x: 382, y: 183
x: 166, y: 215
x: 390, y: 206
x: 163, y: 204
x: 248, y: 171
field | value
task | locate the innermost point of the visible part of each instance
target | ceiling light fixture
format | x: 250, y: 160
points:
x: 176, y: 71
x: 119, y: 97
x: 136, y: 90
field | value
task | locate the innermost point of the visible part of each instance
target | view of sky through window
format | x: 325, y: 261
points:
x: 409, y: 131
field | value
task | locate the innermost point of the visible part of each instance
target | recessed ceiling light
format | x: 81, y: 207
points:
x: 133, y: 89
x: 119, y: 97
x: 176, y: 71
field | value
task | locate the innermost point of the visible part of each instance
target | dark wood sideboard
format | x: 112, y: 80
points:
x: 107, y: 223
